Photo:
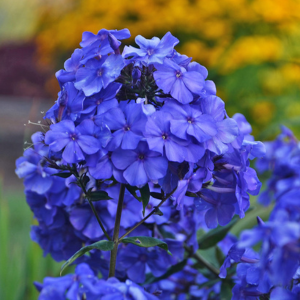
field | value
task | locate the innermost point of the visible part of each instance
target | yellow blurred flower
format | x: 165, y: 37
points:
x: 229, y: 37
x: 251, y: 50
x: 263, y: 112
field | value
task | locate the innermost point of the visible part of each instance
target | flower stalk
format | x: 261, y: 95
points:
x: 114, y: 252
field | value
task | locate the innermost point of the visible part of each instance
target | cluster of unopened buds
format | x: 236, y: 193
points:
x: 138, y: 155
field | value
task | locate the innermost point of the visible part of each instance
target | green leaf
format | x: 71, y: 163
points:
x: 157, y: 195
x: 226, y: 288
x: 145, y: 194
x: 97, y: 196
x: 146, y: 242
x: 209, y: 283
x: 63, y: 174
x: 172, y: 270
x: 101, y: 245
x: 158, y: 212
x: 212, y: 237
x: 84, y: 179
x: 219, y: 256
x: 189, y: 194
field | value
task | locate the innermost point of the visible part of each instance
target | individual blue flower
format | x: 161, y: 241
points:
x: 32, y: 167
x: 71, y: 286
x: 96, y: 45
x: 71, y: 66
x: 160, y: 138
x: 178, y: 81
x: 106, y: 98
x: 98, y: 74
x: 151, y: 51
x: 103, y: 134
x: 235, y: 255
x: 188, y: 121
x: 219, y: 207
x: 140, y: 165
x: 69, y: 104
x: 128, y: 123
x: 227, y: 129
x: 65, y: 136
x: 105, y: 169
x: 191, y: 182
x: 238, y: 176
x: 137, y: 260
x: 246, y: 141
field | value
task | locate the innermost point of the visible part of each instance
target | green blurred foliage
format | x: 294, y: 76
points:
x: 21, y: 260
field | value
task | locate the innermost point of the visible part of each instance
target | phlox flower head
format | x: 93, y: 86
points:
x: 65, y: 136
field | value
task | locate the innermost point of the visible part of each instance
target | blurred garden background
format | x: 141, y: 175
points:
x: 251, y: 49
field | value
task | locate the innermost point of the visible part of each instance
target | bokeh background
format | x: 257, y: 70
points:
x: 250, y: 47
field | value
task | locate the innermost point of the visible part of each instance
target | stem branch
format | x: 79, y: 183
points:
x: 148, y: 216
x: 92, y: 205
x: 113, y: 253
x: 98, y: 219
x: 202, y: 261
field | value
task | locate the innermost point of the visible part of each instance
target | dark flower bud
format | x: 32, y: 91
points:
x: 136, y: 75
x: 260, y: 221
x: 114, y: 43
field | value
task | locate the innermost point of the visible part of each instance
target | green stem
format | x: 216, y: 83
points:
x: 148, y: 216
x: 92, y: 205
x: 202, y: 261
x: 98, y: 219
x: 113, y: 253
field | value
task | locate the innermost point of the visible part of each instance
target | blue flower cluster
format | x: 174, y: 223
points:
x: 146, y: 118
x: 85, y: 285
x: 274, y: 271
x: 283, y: 160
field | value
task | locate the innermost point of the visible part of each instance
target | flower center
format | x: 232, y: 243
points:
x: 73, y: 136
x: 99, y: 101
x: 178, y: 74
x: 141, y: 156
x: 164, y: 136
x: 143, y: 257
x: 100, y: 72
x: 126, y: 127
x: 190, y: 120
x: 150, y: 51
